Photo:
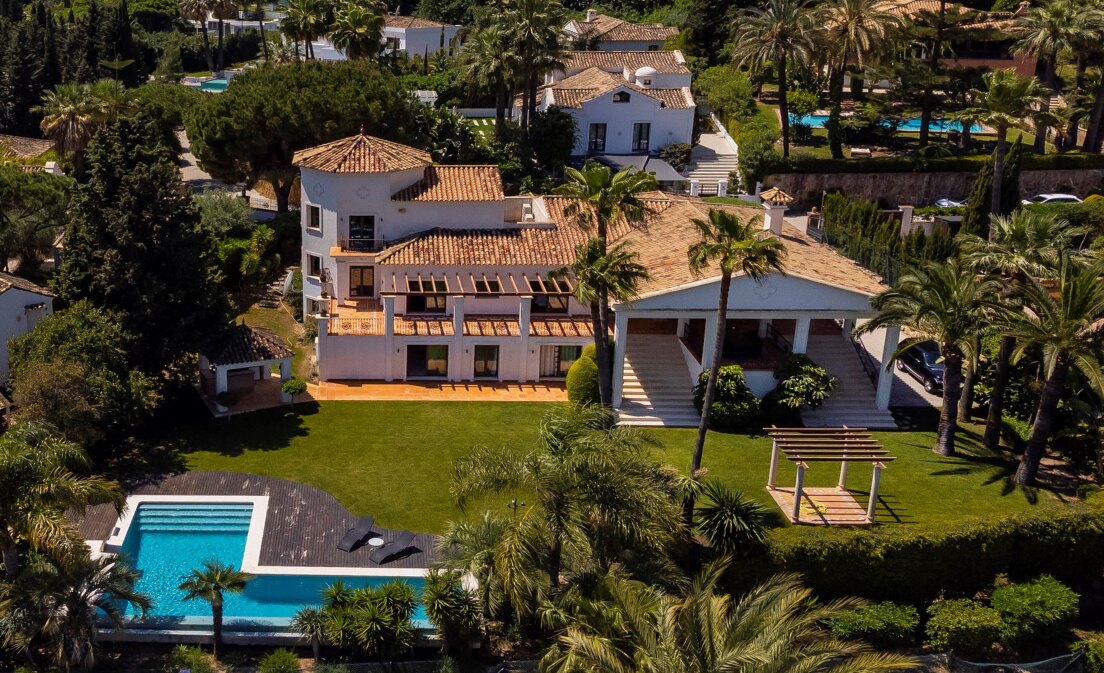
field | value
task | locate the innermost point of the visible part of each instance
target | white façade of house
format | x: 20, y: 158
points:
x: 22, y: 306
x: 408, y: 35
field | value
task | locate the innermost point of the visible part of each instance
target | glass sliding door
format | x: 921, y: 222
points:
x: 361, y: 281
x: 424, y: 361
x: 556, y: 360
x: 486, y: 362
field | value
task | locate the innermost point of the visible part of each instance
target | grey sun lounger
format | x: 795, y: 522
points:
x: 392, y: 549
x: 357, y: 534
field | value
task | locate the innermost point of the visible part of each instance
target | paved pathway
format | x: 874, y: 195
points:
x: 907, y: 391
x: 194, y: 177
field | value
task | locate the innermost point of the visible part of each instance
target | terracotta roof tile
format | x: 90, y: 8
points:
x: 8, y: 281
x: 455, y: 183
x: 613, y: 29
x: 667, y: 62
x: 532, y: 246
x: 590, y: 83
x: 395, y: 21
x: 242, y: 344
x: 361, y: 154
x: 24, y: 148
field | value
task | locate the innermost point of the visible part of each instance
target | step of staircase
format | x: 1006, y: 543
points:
x: 852, y: 403
x: 656, y: 391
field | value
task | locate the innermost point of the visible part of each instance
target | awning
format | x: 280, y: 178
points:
x: 663, y: 171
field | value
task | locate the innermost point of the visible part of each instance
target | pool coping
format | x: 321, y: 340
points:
x: 251, y: 557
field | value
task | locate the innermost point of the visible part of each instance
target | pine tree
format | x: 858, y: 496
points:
x: 19, y: 87
x: 116, y: 45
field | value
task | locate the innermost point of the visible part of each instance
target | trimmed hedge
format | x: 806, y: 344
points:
x: 883, y: 625
x: 582, y: 379
x: 963, y: 627
x: 1035, y: 611
x: 734, y: 406
x: 966, y: 164
x: 279, y: 661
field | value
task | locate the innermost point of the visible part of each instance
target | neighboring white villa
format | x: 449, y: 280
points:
x: 408, y: 35
x: 22, y: 306
x: 605, y: 33
x: 416, y: 271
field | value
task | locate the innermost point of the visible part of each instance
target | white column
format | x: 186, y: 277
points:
x: 798, y: 486
x: 456, y: 348
x: 773, y: 218
x: 695, y: 187
x: 222, y: 383
x: 885, y: 372
x: 848, y: 327
x: 525, y: 311
x: 285, y: 369
x: 843, y: 475
x: 875, y: 481
x: 710, y: 341
x: 773, y: 473
x: 722, y: 187
x: 906, y: 220
x: 389, y: 338
x: 620, y: 339
x: 801, y: 335
x: 763, y: 324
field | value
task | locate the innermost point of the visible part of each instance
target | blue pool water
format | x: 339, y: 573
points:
x: 214, y: 85
x: 910, y: 124
x: 167, y: 541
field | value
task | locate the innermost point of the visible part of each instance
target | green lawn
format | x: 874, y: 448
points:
x: 279, y: 319
x: 394, y: 460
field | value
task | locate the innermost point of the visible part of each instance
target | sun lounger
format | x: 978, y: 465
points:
x: 356, y: 535
x: 392, y: 549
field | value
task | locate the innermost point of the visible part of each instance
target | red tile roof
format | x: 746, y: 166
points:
x: 396, y: 21
x: 361, y: 154
x: 590, y: 83
x: 666, y: 62
x: 613, y: 29
x: 455, y: 183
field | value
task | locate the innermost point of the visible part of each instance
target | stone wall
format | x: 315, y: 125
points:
x: 921, y: 189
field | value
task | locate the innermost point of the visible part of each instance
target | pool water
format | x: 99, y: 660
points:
x: 167, y: 541
x: 910, y: 124
x: 214, y: 85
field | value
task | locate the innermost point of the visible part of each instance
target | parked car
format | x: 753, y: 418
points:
x: 1052, y: 198
x: 949, y: 203
x: 924, y: 362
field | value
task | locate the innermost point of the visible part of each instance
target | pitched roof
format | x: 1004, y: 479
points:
x: 242, y: 344
x: 395, y: 21
x: 590, y: 83
x: 613, y: 29
x: 455, y: 183
x: 666, y: 62
x: 521, y: 246
x: 24, y: 148
x: 361, y: 154
x: 8, y: 281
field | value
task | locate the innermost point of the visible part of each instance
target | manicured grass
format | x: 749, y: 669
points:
x: 279, y: 320
x: 394, y: 460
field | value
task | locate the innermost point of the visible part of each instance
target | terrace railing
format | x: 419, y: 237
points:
x: 362, y: 244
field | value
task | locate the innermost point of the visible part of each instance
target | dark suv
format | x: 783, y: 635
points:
x: 925, y: 363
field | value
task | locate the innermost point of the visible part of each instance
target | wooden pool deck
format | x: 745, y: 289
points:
x: 302, y: 529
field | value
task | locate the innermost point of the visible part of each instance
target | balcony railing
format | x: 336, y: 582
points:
x: 362, y: 244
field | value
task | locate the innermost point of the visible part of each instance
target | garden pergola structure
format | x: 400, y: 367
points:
x: 844, y: 445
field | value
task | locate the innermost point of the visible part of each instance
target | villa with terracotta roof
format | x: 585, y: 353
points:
x: 408, y: 35
x: 606, y: 33
x: 22, y: 306
x: 415, y: 271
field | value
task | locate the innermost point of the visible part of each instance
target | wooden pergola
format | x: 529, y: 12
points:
x: 830, y: 506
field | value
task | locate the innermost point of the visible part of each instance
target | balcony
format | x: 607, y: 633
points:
x: 361, y: 244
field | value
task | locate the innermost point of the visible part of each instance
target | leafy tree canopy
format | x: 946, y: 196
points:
x: 32, y: 210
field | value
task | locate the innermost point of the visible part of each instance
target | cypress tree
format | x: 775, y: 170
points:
x: 116, y: 43
x: 19, y: 88
x: 976, y: 218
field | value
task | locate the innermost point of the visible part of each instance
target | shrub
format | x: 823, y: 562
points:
x: 963, y: 627
x: 676, y: 154
x: 728, y: 91
x: 294, y: 386
x: 734, y: 407
x: 582, y: 379
x: 803, y: 382
x: 279, y: 661
x: 1093, y: 651
x: 882, y: 625
x: 1041, y: 609
x: 188, y: 657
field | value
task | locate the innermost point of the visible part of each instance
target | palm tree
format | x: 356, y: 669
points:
x: 222, y: 10
x: 40, y: 478
x: 782, y: 32
x: 488, y: 61
x: 730, y: 522
x: 453, y: 609
x: 356, y: 30
x: 1008, y: 102
x: 470, y: 547
x: 535, y: 30
x: 198, y: 10
x: 306, y: 20
x: 1026, y: 244
x: 735, y: 246
x: 257, y: 6
x: 777, y: 626
x: 310, y: 623
x: 209, y: 583
x: 944, y: 303
x: 111, y: 97
x: 1042, y: 32
x: 70, y: 115
x: 615, y: 276
x: 602, y: 200
x: 854, y: 31
x: 1066, y: 324
x: 67, y: 600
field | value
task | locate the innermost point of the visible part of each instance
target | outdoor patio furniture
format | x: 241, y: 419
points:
x: 392, y: 549
x: 356, y: 535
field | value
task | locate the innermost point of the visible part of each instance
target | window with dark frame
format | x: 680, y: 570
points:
x: 550, y: 303
x: 486, y: 362
x: 425, y: 303
x: 314, y: 218
x: 621, y: 97
x: 361, y: 281
x: 597, y: 138
x: 642, y: 132
x: 314, y: 265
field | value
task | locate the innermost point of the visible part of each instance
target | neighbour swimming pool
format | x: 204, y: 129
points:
x: 166, y: 541
x: 910, y: 124
x: 214, y: 85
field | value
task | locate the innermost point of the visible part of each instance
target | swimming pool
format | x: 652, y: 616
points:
x: 166, y: 541
x: 214, y: 85
x: 910, y: 124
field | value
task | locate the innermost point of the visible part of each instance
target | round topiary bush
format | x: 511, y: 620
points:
x: 963, y: 627
x: 279, y: 661
x: 882, y: 625
x: 734, y: 407
x: 802, y: 382
x: 1040, y: 610
x: 582, y: 379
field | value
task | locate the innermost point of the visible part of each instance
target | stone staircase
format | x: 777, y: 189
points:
x: 852, y: 403
x: 710, y: 162
x: 657, y: 387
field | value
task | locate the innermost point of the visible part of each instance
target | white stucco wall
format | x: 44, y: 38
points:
x: 419, y: 42
x: 669, y: 125
x: 777, y: 294
x: 16, y: 319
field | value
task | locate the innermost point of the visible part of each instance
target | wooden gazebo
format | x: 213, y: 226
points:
x: 825, y: 506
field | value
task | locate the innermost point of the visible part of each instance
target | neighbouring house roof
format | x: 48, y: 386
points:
x: 395, y: 21
x: 910, y: 9
x: 665, y: 62
x: 243, y: 345
x: 455, y: 183
x: 590, y: 83
x: 612, y: 29
x: 8, y: 281
x: 24, y: 148
x: 361, y: 154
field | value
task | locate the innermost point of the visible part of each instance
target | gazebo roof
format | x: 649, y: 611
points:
x: 776, y: 196
x: 243, y: 345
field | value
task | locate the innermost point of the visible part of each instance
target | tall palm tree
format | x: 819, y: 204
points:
x: 210, y: 583
x: 222, y: 10
x: 1043, y: 32
x: 310, y: 623
x: 614, y: 275
x: 604, y: 199
x: 257, y: 6
x: 198, y: 10
x: 70, y: 115
x: 357, y: 30
x: 1008, y: 102
x: 777, y: 626
x: 306, y: 20
x: 470, y: 547
x: 1027, y: 244
x: 781, y: 32
x: 944, y: 303
x: 854, y: 32
x: 488, y: 60
x: 40, y: 478
x: 732, y: 246
x: 1066, y: 325
x: 535, y: 29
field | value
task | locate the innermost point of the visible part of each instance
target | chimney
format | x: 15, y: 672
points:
x: 774, y: 202
x: 592, y: 15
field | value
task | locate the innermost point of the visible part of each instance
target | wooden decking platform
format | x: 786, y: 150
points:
x: 822, y: 506
x: 303, y: 526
